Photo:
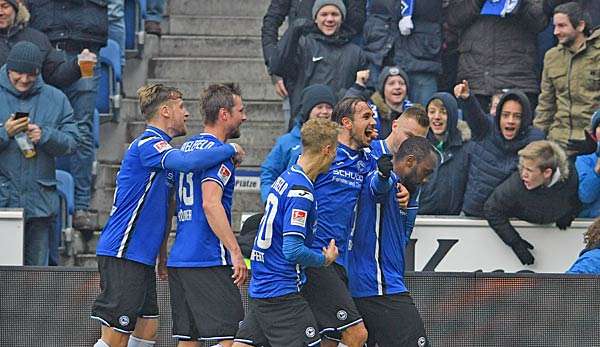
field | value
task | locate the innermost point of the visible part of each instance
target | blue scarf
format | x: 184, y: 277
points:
x: 407, y: 7
x: 501, y: 8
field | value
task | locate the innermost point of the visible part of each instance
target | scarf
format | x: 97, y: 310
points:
x: 407, y: 7
x: 501, y: 8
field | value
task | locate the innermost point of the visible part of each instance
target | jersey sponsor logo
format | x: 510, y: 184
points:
x: 298, y: 217
x: 342, y: 315
x: 162, y: 146
x: 224, y: 174
x: 310, y: 332
x: 124, y: 321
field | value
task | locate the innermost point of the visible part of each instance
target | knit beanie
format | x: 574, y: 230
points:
x: 595, y: 121
x: 14, y: 4
x: 390, y: 71
x: 314, y: 95
x: 320, y: 3
x: 24, y: 57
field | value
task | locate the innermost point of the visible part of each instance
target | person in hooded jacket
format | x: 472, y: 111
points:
x: 588, y: 169
x: 316, y: 52
x: 495, y: 143
x: 443, y: 192
x: 543, y: 191
x: 317, y: 102
x: 589, y: 258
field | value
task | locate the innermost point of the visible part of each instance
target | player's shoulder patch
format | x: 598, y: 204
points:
x: 298, y: 191
x: 162, y: 146
x: 224, y: 174
x: 298, y: 217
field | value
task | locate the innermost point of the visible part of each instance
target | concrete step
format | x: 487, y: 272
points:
x: 210, y: 46
x: 261, y: 91
x: 224, y: 8
x: 213, y: 69
x: 255, y: 110
x: 216, y: 26
x: 106, y: 174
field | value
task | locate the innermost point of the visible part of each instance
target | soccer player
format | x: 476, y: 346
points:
x: 206, y: 263
x: 376, y: 266
x: 336, y: 192
x: 278, y: 315
x: 129, y: 244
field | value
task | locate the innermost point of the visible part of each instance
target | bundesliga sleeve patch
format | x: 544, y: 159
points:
x: 298, y: 218
x: 162, y: 146
x: 224, y: 174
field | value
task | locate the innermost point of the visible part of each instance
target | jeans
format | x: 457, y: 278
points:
x: 116, y: 24
x: 422, y: 86
x: 37, y: 238
x: 82, y: 95
x: 155, y: 10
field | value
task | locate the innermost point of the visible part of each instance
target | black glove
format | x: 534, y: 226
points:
x: 564, y: 222
x: 521, y: 249
x: 385, y: 166
x: 581, y: 147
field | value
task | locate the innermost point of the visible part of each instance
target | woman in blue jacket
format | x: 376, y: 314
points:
x: 589, y: 258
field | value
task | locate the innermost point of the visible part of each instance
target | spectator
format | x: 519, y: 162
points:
x: 293, y: 9
x: 154, y: 15
x: 407, y: 34
x: 73, y: 26
x: 30, y: 183
x: 495, y: 142
x: 443, y: 192
x: 592, y: 7
x: 14, y: 28
x: 589, y: 259
x: 543, y: 191
x: 116, y: 25
x: 570, y: 79
x: 317, y: 102
x: 498, y: 48
x: 317, y: 53
x: 390, y: 99
x: 588, y: 168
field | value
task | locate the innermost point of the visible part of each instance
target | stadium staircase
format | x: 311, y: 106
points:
x: 203, y: 42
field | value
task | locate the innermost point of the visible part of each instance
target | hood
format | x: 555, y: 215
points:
x: 527, y: 117
x: 9, y: 88
x: 455, y: 137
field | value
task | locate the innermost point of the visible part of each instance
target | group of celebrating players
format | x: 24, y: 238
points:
x: 328, y: 258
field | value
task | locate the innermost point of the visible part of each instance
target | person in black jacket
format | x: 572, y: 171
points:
x: 316, y: 52
x: 495, y: 143
x: 543, y: 191
x: 293, y: 9
x: 14, y: 28
x: 73, y: 26
x: 443, y: 192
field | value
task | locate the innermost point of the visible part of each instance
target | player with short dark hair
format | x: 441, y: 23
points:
x: 376, y: 266
x: 205, y: 257
x: 278, y: 315
x: 130, y: 242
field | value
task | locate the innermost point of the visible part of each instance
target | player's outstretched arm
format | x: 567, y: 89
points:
x: 219, y: 223
x: 296, y: 252
x: 200, y: 160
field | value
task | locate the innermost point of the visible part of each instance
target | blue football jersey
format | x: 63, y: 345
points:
x: 196, y: 245
x: 290, y: 210
x: 138, y: 218
x: 376, y: 256
x: 337, y: 192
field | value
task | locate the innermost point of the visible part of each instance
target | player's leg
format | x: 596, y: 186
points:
x: 404, y: 326
x: 184, y: 329
x: 146, y: 328
x: 250, y: 333
x: 355, y: 336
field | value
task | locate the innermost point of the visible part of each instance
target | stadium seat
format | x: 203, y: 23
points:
x: 62, y: 235
x: 135, y: 13
x: 108, y: 100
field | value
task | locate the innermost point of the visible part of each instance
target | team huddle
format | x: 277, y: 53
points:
x: 328, y: 258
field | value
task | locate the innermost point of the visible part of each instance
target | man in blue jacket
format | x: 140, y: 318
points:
x: 588, y: 168
x: 30, y: 183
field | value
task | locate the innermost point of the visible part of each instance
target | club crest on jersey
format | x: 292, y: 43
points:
x: 224, y: 174
x: 162, y: 146
x: 298, y: 218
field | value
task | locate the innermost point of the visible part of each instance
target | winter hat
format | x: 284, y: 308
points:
x: 14, y: 4
x: 314, y: 95
x: 320, y: 3
x: 595, y: 121
x: 24, y: 57
x: 390, y: 71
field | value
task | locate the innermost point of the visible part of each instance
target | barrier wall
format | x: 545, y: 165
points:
x: 11, y: 236
x: 50, y: 307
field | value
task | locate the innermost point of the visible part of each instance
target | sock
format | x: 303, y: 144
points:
x: 137, y: 342
x: 217, y: 345
x: 101, y: 343
x: 342, y: 345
